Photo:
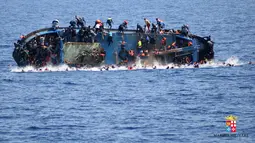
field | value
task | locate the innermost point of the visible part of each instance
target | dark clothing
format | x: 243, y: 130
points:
x: 109, y: 40
x: 80, y: 22
x: 122, y: 46
x: 101, y: 27
x: 109, y: 22
x: 154, y: 28
x: 81, y: 35
x: 72, y: 24
x: 123, y: 54
x: 95, y: 24
x: 139, y: 29
x: 161, y: 25
x: 122, y: 27
x: 185, y: 30
x: 152, y: 40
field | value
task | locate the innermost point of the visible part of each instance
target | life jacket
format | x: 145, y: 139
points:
x: 139, y: 43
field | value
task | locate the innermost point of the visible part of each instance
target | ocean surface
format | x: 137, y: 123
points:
x: 183, y: 104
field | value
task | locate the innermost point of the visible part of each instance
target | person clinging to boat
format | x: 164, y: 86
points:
x: 55, y: 24
x: 139, y: 28
x: 160, y: 23
x: 123, y: 54
x: 185, y: 30
x: 123, y: 26
x: 80, y: 21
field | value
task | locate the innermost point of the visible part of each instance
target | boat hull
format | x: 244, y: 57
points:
x: 69, y: 49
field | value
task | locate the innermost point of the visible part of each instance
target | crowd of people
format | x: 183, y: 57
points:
x: 40, y: 50
x: 149, y: 27
x: 43, y: 49
x: 88, y: 34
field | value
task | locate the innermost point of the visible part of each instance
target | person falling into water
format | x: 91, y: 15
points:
x: 110, y: 38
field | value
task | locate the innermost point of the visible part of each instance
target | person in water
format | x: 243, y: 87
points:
x: 109, y: 22
x: 123, y: 26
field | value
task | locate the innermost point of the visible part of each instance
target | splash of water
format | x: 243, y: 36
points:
x: 232, y: 61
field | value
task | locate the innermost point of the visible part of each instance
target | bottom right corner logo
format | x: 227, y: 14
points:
x: 231, y: 123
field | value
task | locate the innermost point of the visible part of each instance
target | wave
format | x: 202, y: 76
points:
x: 232, y: 61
